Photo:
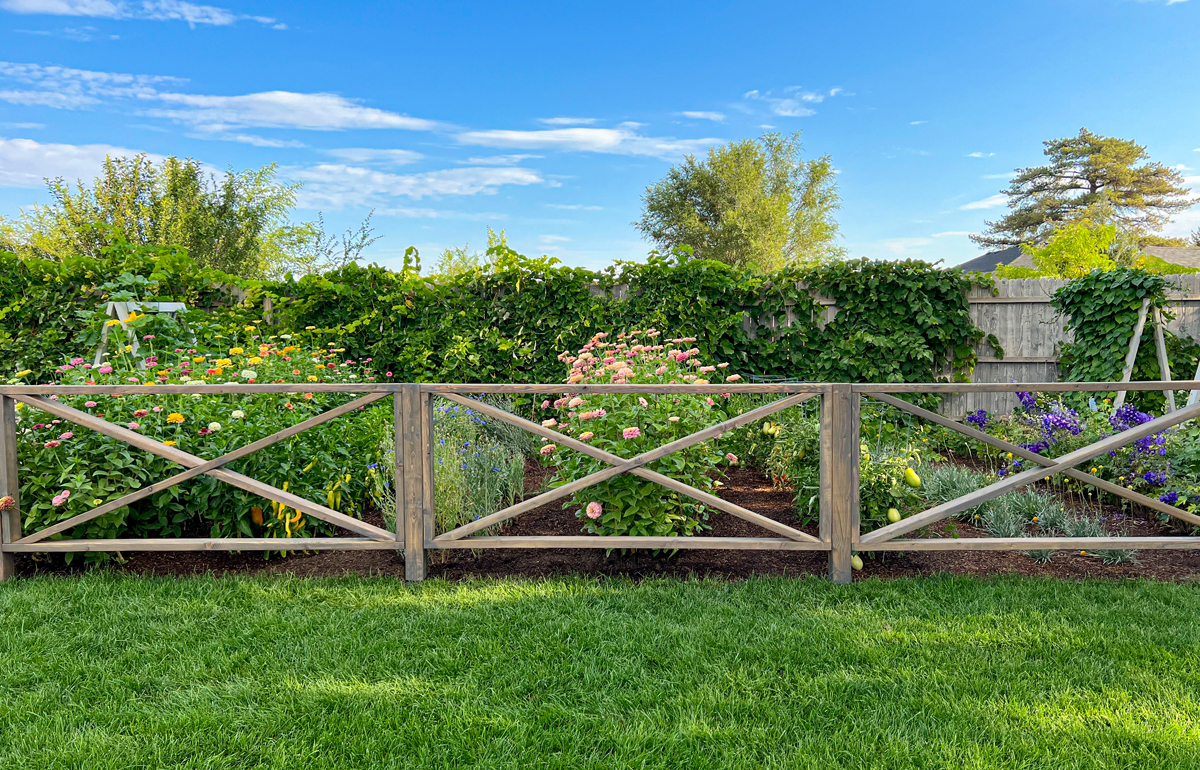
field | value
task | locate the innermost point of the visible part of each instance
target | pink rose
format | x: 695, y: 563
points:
x: 631, y: 433
x: 594, y: 510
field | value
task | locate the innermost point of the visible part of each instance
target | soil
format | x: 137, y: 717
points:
x: 745, y: 487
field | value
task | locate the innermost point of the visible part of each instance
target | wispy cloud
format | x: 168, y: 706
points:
x: 338, y: 185
x: 281, y: 109
x: 917, y: 122
x: 68, y: 88
x: 551, y: 241
x: 980, y: 154
x: 84, y: 34
x: 573, y: 207
x: 792, y: 104
x: 26, y: 163
x: 623, y: 140
x: 990, y: 202
x: 23, y: 125
x: 251, y: 139
x: 499, y: 160
x: 950, y: 233
x: 152, y: 10
x: 903, y: 247
x: 408, y: 212
x: 368, y: 155
x: 567, y: 121
x: 716, y: 117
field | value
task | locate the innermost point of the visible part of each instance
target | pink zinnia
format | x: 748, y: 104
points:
x: 89, y: 404
x: 140, y: 413
x: 547, y: 450
x: 134, y: 426
x: 66, y: 436
x: 546, y: 404
x: 158, y: 408
x: 732, y: 458
x: 630, y: 433
x: 550, y: 423
x: 106, y: 369
x: 60, y: 498
x: 594, y: 510
x: 586, y: 436
x: 76, y: 361
x: 733, y: 378
x: 642, y: 401
x: 661, y: 370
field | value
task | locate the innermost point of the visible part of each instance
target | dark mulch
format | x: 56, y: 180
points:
x: 745, y: 487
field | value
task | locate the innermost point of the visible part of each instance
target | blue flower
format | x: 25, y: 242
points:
x: 1170, y: 497
x: 373, y: 466
x: 1156, y: 478
x: 1092, y: 404
x: 1002, y: 473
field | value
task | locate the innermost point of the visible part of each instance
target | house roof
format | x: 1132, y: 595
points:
x: 1176, y: 255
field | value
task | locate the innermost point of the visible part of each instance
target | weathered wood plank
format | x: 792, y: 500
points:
x: 10, y: 486
x: 205, y: 544
x: 1014, y: 387
x: 1037, y: 544
x: 413, y: 449
x: 839, y: 477
x: 1131, y: 356
x: 1164, y: 364
x: 215, y: 389
x: 550, y: 389
x: 590, y: 541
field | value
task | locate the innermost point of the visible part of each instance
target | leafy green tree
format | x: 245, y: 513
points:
x: 237, y: 222
x: 1074, y: 250
x: 751, y: 202
x: 1083, y: 171
x: 456, y: 260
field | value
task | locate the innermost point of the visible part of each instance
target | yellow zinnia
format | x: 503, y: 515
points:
x: 311, y: 378
x: 198, y: 359
x: 255, y: 360
x: 169, y: 443
x: 224, y: 362
x: 235, y: 351
x: 175, y: 418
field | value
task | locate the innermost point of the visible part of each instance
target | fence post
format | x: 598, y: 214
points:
x: 839, y: 476
x: 410, y: 453
x: 10, y: 519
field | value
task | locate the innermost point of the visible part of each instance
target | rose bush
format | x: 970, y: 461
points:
x: 67, y: 469
x: 626, y: 425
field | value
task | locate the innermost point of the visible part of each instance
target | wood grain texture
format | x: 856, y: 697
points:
x: 205, y: 544
x: 412, y: 447
x: 590, y: 541
x: 1131, y: 356
x: 1036, y: 544
x: 1164, y: 363
x: 10, y: 486
x: 839, y: 477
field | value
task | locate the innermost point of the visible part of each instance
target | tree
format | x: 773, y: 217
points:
x: 754, y: 202
x: 1083, y: 171
x: 459, y: 259
x: 1074, y: 250
x: 237, y: 222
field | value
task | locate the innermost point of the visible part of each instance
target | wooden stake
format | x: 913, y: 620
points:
x: 1164, y: 365
x: 1134, y: 341
x: 409, y: 445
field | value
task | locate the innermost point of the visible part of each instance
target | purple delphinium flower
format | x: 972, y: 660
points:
x: 1028, y: 400
x: 1169, y: 498
x: 1156, y: 478
x: 979, y: 419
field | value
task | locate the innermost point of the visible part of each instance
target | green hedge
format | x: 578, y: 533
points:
x: 507, y: 322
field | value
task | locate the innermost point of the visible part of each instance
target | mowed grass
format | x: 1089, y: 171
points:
x: 123, y: 672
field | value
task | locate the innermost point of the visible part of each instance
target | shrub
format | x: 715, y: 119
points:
x: 626, y: 425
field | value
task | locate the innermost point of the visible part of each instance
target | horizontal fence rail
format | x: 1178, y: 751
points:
x: 838, y: 522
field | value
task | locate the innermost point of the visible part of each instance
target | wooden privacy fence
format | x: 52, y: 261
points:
x: 838, y: 525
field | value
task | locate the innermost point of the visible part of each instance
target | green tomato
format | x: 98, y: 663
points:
x: 893, y: 515
x: 856, y: 562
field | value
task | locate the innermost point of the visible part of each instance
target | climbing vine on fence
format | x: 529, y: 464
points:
x: 506, y: 321
x: 1101, y: 311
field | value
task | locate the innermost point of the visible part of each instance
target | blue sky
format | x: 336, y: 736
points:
x: 550, y: 119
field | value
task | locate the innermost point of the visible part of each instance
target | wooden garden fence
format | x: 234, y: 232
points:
x: 838, y: 528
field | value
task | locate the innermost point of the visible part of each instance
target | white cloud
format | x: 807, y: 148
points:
x: 917, y: 122
x: 717, y: 117
x: 282, y: 109
x: 574, y: 207
x: 337, y: 185
x: 980, y: 154
x: 407, y: 212
x: 552, y: 240
x: 950, y: 233
x: 68, y: 88
x: 567, y: 121
x: 498, y: 160
x: 251, y: 139
x: 153, y: 10
x: 1191, y: 180
x: 990, y: 202
x: 26, y: 163
x: 372, y: 155
x: 23, y: 125
x: 791, y: 105
x: 623, y: 140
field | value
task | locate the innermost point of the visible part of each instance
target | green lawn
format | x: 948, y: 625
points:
x: 120, y: 672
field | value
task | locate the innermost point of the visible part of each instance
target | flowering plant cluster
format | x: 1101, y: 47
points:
x: 67, y: 469
x: 626, y: 425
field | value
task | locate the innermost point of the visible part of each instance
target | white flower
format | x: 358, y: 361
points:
x: 214, y: 426
x: 249, y: 374
x: 237, y: 414
x: 196, y: 382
